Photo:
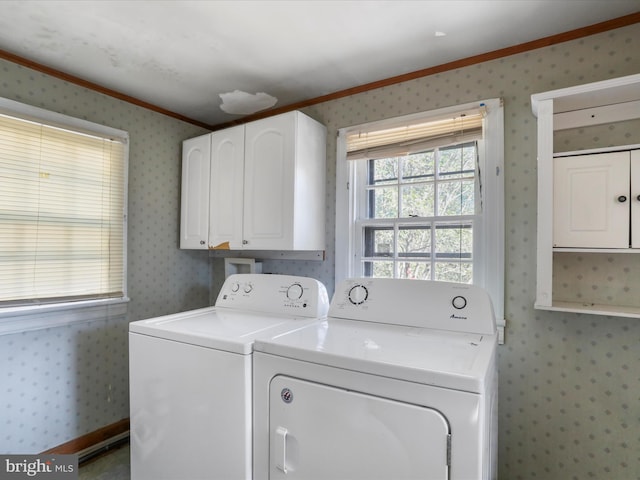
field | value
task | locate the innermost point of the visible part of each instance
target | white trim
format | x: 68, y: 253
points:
x: 344, y: 214
x: 544, y: 263
x: 493, y: 209
x: 29, y: 112
x: 25, y: 319
x: 605, y: 92
x: 618, y: 148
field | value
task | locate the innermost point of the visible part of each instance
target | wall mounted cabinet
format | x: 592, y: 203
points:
x: 265, y: 186
x: 581, y: 209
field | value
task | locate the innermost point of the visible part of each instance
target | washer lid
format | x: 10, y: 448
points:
x: 221, y: 329
x: 460, y: 361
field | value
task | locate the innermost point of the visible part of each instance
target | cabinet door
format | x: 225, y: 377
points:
x: 635, y: 199
x: 194, y: 207
x: 591, y: 201
x: 227, y: 170
x: 269, y: 183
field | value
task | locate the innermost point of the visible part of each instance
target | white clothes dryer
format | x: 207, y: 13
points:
x: 399, y: 382
x: 190, y: 377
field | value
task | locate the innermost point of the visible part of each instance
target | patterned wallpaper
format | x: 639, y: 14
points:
x: 569, y: 387
x: 60, y: 383
x: 569, y: 383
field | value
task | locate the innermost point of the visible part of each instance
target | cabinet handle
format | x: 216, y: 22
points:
x: 244, y: 242
x: 638, y: 198
x: 202, y: 242
x: 622, y: 198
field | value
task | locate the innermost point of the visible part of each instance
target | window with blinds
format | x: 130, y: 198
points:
x: 422, y: 196
x: 419, y: 197
x: 62, y: 212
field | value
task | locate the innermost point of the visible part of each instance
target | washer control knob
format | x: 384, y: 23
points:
x: 459, y: 302
x: 358, y: 294
x: 235, y: 287
x: 247, y: 288
x: 294, y: 292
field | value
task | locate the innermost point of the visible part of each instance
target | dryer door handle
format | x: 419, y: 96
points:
x: 280, y: 450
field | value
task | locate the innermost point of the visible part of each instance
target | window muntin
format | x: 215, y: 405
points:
x: 419, y: 214
x: 62, y: 210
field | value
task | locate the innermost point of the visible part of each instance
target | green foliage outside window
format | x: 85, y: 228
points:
x: 421, y: 208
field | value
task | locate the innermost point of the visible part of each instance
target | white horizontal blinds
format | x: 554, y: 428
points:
x: 61, y: 214
x: 415, y: 137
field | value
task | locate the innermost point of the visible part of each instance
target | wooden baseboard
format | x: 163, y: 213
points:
x: 92, y: 438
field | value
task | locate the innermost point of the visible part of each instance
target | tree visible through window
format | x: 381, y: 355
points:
x: 419, y: 214
x: 422, y: 196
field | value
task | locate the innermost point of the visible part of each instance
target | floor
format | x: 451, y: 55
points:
x: 113, y: 465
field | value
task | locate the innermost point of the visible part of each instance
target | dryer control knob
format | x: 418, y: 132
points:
x: 459, y: 302
x: 358, y: 294
x: 294, y: 292
x: 247, y: 288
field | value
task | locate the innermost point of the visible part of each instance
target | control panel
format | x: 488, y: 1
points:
x: 419, y: 303
x: 275, y: 294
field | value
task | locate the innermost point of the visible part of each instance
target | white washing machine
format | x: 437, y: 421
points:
x: 399, y: 382
x: 190, y: 377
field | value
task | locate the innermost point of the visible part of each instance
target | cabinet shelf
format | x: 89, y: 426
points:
x: 592, y: 309
x: 595, y: 250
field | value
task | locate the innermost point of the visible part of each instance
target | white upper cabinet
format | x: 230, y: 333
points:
x: 588, y: 201
x: 267, y: 186
x: 194, y: 207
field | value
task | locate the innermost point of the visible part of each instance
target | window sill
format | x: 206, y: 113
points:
x: 23, y: 319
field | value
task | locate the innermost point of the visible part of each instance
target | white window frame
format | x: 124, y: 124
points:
x: 488, y: 263
x: 14, y: 319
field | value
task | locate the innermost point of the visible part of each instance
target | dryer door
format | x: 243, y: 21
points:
x: 324, y: 433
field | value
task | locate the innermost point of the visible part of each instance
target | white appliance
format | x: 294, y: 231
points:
x: 399, y: 382
x: 190, y: 377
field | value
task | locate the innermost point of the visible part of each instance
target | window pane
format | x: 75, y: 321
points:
x: 378, y: 269
x: 414, y: 242
x: 401, y: 188
x: 417, y: 201
x: 454, y: 272
x: 414, y: 270
x: 383, y: 171
x: 456, y: 198
x: 454, y: 241
x: 383, y: 202
x: 378, y: 242
x: 458, y: 161
x: 418, y: 167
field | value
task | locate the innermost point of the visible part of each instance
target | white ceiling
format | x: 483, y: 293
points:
x: 186, y: 56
